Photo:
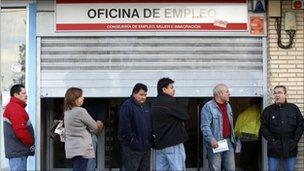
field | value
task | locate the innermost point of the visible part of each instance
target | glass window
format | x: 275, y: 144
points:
x: 13, y: 38
x: 12, y: 59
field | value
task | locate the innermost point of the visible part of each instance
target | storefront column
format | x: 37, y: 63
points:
x: 33, y: 162
x: 264, y: 162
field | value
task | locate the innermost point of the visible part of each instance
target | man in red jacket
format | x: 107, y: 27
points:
x: 18, y: 130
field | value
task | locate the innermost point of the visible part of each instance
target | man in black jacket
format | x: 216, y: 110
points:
x: 282, y: 125
x: 168, y: 129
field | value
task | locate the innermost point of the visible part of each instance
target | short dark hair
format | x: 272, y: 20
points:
x: 16, y: 89
x: 138, y: 87
x: 281, y: 86
x: 163, y: 83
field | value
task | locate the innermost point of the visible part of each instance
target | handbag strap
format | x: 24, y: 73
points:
x: 62, y: 118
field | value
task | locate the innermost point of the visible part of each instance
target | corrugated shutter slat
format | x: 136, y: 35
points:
x: 146, y: 59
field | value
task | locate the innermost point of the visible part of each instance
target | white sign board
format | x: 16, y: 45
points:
x: 75, y: 16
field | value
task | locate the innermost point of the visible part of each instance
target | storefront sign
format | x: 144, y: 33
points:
x: 257, y: 25
x: 75, y: 15
x: 297, y: 4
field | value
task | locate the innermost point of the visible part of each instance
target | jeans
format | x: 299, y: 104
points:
x: 79, y: 163
x: 135, y: 160
x: 171, y: 158
x: 289, y: 164
x: 18, y: 163
x: 223, y: 160
x: 91, y: 165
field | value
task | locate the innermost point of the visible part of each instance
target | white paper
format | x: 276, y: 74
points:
x: 222, y: 146
x: 220, y: 23
x: 238, y: 146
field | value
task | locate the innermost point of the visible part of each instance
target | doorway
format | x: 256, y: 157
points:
x: 109, y: 151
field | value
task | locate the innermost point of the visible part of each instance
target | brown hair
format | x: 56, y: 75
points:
x: 70, y: 97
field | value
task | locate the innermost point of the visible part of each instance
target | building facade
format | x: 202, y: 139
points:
x: 107, y: 60
x: 285, y: 66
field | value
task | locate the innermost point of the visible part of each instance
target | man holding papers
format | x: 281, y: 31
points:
x: 217, y: 128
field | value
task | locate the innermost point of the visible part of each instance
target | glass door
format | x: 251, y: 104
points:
x: 12, y: 59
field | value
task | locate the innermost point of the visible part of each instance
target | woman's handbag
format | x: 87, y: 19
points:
x: 57, y: 132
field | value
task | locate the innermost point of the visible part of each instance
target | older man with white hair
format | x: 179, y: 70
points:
x: 217, y: 128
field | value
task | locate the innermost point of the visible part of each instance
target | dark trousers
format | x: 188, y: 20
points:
x: 79, y: 163
x: 135, y: 160
x: 250, y: 154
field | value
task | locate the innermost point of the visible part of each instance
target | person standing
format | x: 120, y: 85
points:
x: 135, y: 130
x: 168, y: 128
x: 282, y: 125
x: 247, y: 128
x: 18, y: 131
x: 98, y: 110
x: 216, y: 125
x: 78, y: 125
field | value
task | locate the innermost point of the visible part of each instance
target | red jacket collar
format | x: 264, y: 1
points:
x: 18, y: 101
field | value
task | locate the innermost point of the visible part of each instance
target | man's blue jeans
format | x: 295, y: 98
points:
x: 91, y: 165
x: 18, y: 163
x: 289, y: 163
x: 223, y: 160
x: 171, y: 158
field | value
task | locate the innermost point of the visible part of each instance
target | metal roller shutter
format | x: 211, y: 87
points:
x: 110, y: 66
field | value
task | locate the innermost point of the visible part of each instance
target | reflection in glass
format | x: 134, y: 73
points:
x: 13, y: 37
x: 12, y: 58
